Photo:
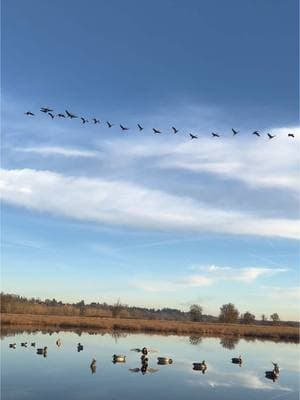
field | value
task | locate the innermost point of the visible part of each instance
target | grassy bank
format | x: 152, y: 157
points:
x: 153, y: 326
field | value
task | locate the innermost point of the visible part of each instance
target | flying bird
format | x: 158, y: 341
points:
x: 45, y: 109
x: 291, y: 135
x: 84, y: 121
x: 70, y: 115
x: 140, y: 127
x: 96, y: 121
x: 175, y: 130
x: 123, y: 128
x: 255, y: 133
x: 234, y: 132
x: 61, y: 115
x: 156, y: 130
x: 271, y: 136
x: 51, y: 115
x: 193, y: 136
x: 28, y: 113
x: 109, y: 124
x: 215, y: 134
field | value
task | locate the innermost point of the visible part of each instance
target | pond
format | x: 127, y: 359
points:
x: 63, y: 372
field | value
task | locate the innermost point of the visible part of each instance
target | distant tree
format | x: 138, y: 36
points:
x: 196, y: 312
x: 116, y: 308
x: 247, y: 318
x: 264, y: 318
x: 228, y: 313
x: 275, y: 318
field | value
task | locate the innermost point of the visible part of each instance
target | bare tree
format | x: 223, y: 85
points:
x: 228, y: 313
x: 196, y: 312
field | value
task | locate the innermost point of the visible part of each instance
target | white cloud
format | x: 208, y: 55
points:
x: 58, y: 150
x: 127, y: 204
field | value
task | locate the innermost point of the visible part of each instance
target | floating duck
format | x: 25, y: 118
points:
x: 93, y: 366
x: 13, y: 345
x: 117, y: 358
x: 237, y: 360
x: 200, y: 366
x: 58, y: 343
x: 164, y: 360
x: 24, y: 344
x: 32, y: 344
x: 42, y: 351
x: 79, y: 347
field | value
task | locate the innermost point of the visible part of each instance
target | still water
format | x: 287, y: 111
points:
x: 65, y: 373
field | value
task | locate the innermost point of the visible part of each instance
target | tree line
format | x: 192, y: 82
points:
x: 15, y: 304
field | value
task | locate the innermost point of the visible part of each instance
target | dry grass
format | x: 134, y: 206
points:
x: 151, y: 326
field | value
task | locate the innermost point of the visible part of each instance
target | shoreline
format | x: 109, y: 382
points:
x: 182, y: 328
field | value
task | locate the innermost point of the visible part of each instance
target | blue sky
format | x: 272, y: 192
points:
x: 155, y: 220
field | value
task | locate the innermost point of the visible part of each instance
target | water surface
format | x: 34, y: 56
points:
x: 65, y: 373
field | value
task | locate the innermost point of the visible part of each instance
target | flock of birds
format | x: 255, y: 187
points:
x: 50, y: 112
x: 144, y: 359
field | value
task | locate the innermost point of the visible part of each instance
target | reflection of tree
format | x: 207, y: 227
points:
x: 194, y: 340
x: 117, y: 335
x: 229, y: 342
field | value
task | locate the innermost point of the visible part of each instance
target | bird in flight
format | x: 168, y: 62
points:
x: 124, y: 128
x: 255, y: 133
x: 45, y: 109
x: 140, y: 127
x: 215, y: 134
x: 28, y: 113
x: 51, y: 115
x: 96, y: 121
x: 175, y: 130
x: 234, y: 132
x: 61, y: 115
x: 156, y: 130
x: 84, y: 121
x: 291, y: 135
x: 271, y: 136
x: 70, y: 115
x: 109, y: 124
x: 193, y: 136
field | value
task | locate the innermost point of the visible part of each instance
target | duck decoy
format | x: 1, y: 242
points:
x: 58, y: 342
x: 156, y: 131
x: 200, y: 366
x: 109, y: 124
x: 256, y: 133
x: 144, y: 359
x: 93, y: 366
x: 276, y: 367
x: 61, y: 115
x: 117, y: 358
x: 70, y: 115
x: 79, y: 347
x: 175, y: 130
x: 234, y: 132
x: 271, y: 136
x: 24, y: 344
x: 291, y: 135
x: 215, y: 134
x: 273, y: 375
x: 140, y: 127
x: 96, y: 121
x: 124, y: 128
x: 29, y: 113
x: 164, y: 360
x: 45, y: 110
x: 12, y: 345
x: 32, y: 344
x: 42, y: 351
x: 193, y: 136
x: 237, y: 360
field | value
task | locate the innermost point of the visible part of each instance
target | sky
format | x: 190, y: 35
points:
x: 94, y: 213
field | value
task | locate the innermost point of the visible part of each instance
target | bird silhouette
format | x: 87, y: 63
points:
x: 215, y: 134
x: 234, y: 132
x: 96, y: 121
x: 291, y: 135
x: 61, y: 115
x: 271, y: 136
x: 70, y: 115
x: 123, y: 128
x: 51, y: 115
x: 140, y: 127
x: 156, y: 131
x: 175, y: 130
x: 45, y: 110
x: 193, y: 136
x: 255, y: 133
x: 109, y: 124
x: 84, y: 121
x: 28, y: 113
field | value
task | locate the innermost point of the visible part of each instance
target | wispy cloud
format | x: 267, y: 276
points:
x: 124, y: 203
x: 60, y: 151
x: 279, y: 293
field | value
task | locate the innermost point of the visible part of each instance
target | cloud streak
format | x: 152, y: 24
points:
x: 126, y: 204
x: 59, y: 150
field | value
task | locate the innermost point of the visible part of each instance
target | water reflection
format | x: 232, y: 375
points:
x: 229, y: 342
x: 195, y: 340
